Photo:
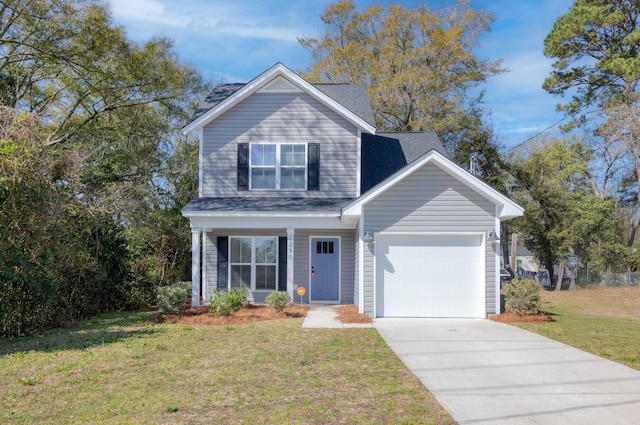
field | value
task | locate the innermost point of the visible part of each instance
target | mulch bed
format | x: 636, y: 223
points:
x: 518, y: 318
x: 349, y: 314
x: 259, y: 313
x: 251, y: 313
x: 255, y: 313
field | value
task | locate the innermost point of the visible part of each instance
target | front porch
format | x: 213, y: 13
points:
x: 319, y: 260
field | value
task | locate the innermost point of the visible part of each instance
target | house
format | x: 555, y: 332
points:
x: 525, y: 259
x: 296, y: 189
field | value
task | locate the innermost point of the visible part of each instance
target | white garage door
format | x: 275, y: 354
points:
x: 430, y: 276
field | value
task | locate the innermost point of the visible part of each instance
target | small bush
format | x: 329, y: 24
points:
x: 172, y: 298
x: 522, y: 297
x: 278, y: 300
x: 225, y: 303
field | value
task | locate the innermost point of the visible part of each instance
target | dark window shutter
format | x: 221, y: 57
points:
x: 313, y: 170
x: 243, y: 166
x: 282, y: 263
x: 223, y: 262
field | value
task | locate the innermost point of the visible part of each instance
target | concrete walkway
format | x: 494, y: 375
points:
x: 485, y: 372
x: 324, y: 316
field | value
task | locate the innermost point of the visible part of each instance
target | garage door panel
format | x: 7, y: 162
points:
x: 430, y: 276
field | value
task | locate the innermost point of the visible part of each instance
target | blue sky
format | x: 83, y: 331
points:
x: 234, y: 41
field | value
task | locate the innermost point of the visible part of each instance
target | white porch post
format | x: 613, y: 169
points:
x: 203, y: 267
x: 195, y: 266
x: 290, y: 251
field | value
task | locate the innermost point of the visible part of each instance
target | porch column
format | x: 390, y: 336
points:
x: 195, y: 266
x: 203, y: 267
x: 290, y: 251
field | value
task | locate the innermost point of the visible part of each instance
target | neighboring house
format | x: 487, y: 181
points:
x: 297, y: 190
x: 525, y: 259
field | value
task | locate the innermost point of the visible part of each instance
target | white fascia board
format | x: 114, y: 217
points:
x: 359, y: 163
x: 262, y: 80
x: 256, y: 214
x: 268, y: 222
x: 200, y: 160
x: 509, y: 209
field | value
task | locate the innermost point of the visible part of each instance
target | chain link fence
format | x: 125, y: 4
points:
x: 585, y: 278
x: 624, y: 279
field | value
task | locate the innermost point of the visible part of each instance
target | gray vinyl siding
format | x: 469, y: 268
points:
x: 281, y: 118
x: 493, y: 251
x: 210, y: 270
x: 430, y: 200
x: 369, y: 273
x: 301, y: 260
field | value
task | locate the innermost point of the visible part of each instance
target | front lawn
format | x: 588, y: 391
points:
x: 602, y: 321
x: 123, y: 368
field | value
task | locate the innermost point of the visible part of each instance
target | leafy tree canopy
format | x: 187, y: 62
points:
x: 90, y: 194
x: 417, y: 63
x: 561, y: 214
x: 596, y: 46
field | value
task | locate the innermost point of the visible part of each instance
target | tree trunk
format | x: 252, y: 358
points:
x: 504, y: 244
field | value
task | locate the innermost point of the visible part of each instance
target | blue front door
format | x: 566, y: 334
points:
x: 325, y: 270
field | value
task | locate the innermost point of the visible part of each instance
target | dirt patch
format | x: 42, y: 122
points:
x: 248, y: 314
x: 349, y: 314
x: 517, y: 318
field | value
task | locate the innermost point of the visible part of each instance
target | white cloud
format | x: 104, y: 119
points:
x: 147, y: 10
x: 249, y: 27
x: 239, y: 19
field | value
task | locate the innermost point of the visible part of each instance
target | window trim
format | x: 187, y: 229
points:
x: 253, y: 263
x: 279, y: 166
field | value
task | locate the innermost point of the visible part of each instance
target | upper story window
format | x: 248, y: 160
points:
x: 278, y: 166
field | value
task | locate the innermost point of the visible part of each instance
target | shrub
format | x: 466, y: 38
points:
x: 278, y: 300
x: 522, y: 297
x: 225, y: 303
x: 172, y: 298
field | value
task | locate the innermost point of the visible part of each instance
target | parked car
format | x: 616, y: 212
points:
x: 505, y: 278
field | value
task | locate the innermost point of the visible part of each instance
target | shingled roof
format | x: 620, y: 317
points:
x: 354, y: 97
x: 385, y: 153
x: 219, y: 93
x: 267, y: 204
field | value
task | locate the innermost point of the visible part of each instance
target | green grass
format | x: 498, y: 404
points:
x: 602, y: 321
x: 124, y: 369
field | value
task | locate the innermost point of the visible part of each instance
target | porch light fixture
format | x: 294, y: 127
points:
x: 492, y: 236
x: 368, y: 236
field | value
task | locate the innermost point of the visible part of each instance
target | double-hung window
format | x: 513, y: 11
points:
x: 253, y: 263
x: 278, y: 166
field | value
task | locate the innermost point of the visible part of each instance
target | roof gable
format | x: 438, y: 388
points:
x: 506, y: 207
x: 277, y: 78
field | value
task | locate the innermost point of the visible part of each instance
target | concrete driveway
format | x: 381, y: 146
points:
x: 485, y: 372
